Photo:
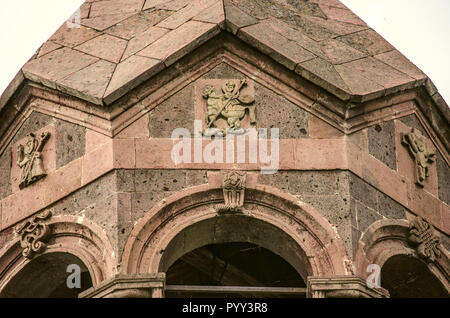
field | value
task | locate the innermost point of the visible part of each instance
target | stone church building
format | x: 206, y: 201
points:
x: 222, y: 148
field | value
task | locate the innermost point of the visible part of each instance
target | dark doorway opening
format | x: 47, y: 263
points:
x: 46, y: 277
x: 408, y: 277
x: 233, y: 270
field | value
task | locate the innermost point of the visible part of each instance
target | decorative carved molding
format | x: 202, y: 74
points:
x: 229, y: 105
x: 421, y: 233
x: 423, y: 157
x: 233, y: 183
x: 29, y: 159
x: 349, y: 286
x: 33, y: 233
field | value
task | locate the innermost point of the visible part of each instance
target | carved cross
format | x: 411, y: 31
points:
x: 33, y: 233
x: 421, y: 233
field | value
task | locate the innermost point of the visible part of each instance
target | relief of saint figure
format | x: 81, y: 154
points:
x: 422, y: 156
x: 29, y: 158
x: 230, y: 105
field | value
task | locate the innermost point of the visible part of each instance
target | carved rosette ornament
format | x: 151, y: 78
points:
x: 33, y: 234
x: 29, y: 159
x: 423, y: 157
x: 233, y: 183
x: 421, y: 234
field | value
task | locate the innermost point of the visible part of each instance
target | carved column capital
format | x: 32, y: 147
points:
x: 342, y: 287
x: 33, y: 234
x: 129, y: 286
x: 423, y: 237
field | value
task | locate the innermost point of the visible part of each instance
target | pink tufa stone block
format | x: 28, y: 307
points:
x: 124, y: 153
x: 138, y: 129
x: 97, y: 162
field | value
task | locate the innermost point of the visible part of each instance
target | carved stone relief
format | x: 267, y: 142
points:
x: 29, y: 159
x: 423, y: 157
x: 230, y: 105
x: 233, y: 183
x: 421, y: 234
x: 33, y: 234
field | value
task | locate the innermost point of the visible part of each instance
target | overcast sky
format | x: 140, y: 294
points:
x: 420, y: 29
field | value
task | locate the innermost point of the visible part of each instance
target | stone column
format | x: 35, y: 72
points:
x: 129, y: 286
x: 342, y: 287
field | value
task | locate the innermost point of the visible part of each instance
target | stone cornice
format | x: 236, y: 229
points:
x: 346, y: 117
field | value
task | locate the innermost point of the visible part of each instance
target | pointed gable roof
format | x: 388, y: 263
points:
x: 122, y: 43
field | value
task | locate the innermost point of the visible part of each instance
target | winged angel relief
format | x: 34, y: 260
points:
x: 229, y: 105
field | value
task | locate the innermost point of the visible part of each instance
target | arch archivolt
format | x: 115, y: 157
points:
x: 77, y: 236
x: 188, y: 220
x: 387, y: 238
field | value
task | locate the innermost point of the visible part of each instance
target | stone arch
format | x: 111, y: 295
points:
x: 386, y: 239
x: 318, y: 247
x: 71, y: 235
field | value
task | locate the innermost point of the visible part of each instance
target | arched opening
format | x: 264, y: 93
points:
x: 212, y: 256
x: 46, y: 277
x: 408, y: 277
x: 232, y: 264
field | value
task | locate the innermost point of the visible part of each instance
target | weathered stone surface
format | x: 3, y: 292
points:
x: 443, y: 171
x: 109, y: 7
x: 214, y: 14
x: 381, y: 139
x: 138, y: 23
x: 337, y: 52
x: 152, y: 3
x: 48, y: 47
x: 70, y: 142
x: 168, y: 5
x: 341, y: 14
x: 175, y: 112
x: 358, y: 84
x: 103, y: 22
x: 106, y: 47
x: 367, y: 41
x: 321, y: 72
x: 185, y: 14
x: 264, y: 37
x: 389, y: 208
x: 365, y: 216
x: 413, y: 122
x: 237, y: 19
x: 129, y: 74
x: 87, y: 84
x: 274, y: 111
x: 180, y: 41
x: 379, y: 72
x: 142, y: 40
x: 5, y: 173
x: 362, y: 192
x: 320, y: 129
x: 70, y: 37
x: 400, y: 62
x: 57, y: 65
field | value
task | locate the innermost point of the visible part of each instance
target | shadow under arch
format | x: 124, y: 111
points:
x: 188, y: 220
x: 80, y: 238
x: 385, y: 243
x: 46, y: 275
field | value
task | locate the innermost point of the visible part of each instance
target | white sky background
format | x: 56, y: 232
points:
x: 420, y: 29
